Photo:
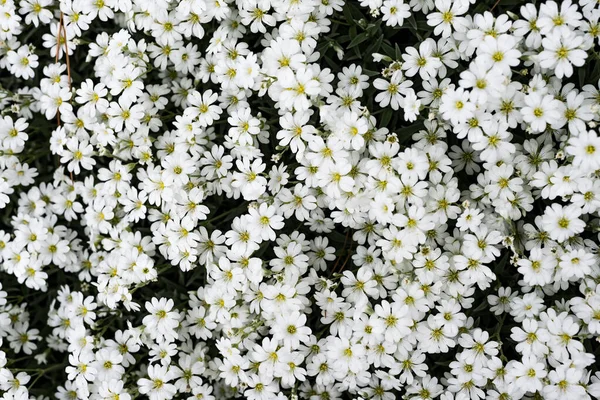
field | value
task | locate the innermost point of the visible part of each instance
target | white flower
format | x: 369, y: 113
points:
x: 447, y: 17
x: 161, y: 322
x: 529, y: 374
x: 22, y: 62
x: 562, y: 222
x: 394, y: 12
x: 456, y: 107
x: 562, y: 50
x: 392, y: 91
x: 585, y: 149
x: 540, y: 111
x: 157, y: 385
x: 290, y: 330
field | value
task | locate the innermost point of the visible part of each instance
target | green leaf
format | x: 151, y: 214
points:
x: 484, y: 304
x: 374, y: 48
x: 503, y: 262
x: 406, y: 132
x: 385, y: 119
x: 372, y: 29
x: 355, y: 11
x: 351, y: 33
x: 358, y: 40
x: 595, y: 72
x: 336, y: 237
x: 348, y: 16
x: 370, y: 73
x: 388, y: 50
x: 332, y: 64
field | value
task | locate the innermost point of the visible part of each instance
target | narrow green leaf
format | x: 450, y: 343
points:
x: 358, y: 40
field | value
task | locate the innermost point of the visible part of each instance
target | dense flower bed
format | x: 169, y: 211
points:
x: 299, y: 199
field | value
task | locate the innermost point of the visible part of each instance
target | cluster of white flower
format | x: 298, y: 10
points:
x: 196, y: 206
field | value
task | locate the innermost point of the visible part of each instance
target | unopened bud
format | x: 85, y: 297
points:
x: 512, y: 15
x: 377, y: 57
